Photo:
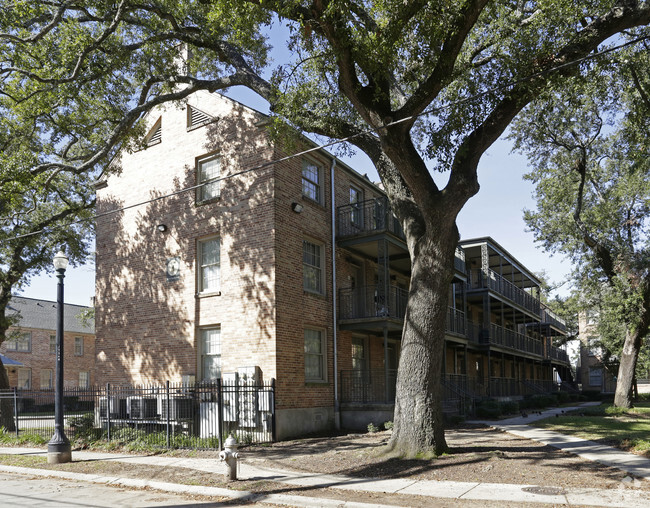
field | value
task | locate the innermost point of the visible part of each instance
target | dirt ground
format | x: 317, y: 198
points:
x: 478, y: 454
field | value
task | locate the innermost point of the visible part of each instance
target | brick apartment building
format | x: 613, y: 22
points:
x: 592, y: 373
x: 31, y: 345
x: 294, y: 270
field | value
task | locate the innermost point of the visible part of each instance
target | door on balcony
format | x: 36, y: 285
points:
x: 357, y: 297
x: 361, y: 388
x: 392, y: 357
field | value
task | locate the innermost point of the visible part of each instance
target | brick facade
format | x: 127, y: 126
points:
x: 38, y: 363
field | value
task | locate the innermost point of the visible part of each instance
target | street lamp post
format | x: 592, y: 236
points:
x: 58, y: 449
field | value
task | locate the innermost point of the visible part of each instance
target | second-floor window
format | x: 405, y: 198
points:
x: 311, y: 181
x: 312, y: 266
x: 21, y: 343
x: 356, y: 212
x: 207, y: 170
x: 78, y: 346
x: 209, y: 265
x: 53, y: 344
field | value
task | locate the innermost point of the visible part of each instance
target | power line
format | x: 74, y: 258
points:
x: 372, y: 130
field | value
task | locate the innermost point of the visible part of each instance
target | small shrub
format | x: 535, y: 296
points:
x: 563, y: 397
x: 372, y: 428
x: 509, y: 407
x: 488, y: 409
x: 388, y: 425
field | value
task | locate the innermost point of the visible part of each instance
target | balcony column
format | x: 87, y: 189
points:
x: 383, y: 279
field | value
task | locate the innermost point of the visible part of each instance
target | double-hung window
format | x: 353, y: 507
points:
x: 24, y: 378
x: 21, y: 343
x: 206, y: 171
x: 210, y: 353
x: 78, y: 346
x: 209, y: 265
x: 315, y: 350
x: 312, y: 266
x: 356, y: 211
x: 46, y: 379
x: 84, y: 380
x: 311, y: 181
x: 52, y: 344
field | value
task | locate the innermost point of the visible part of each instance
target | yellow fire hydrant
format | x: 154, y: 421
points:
x: 230, y: 456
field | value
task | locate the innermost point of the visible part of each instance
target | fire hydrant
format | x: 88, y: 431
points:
x: 230, y: 455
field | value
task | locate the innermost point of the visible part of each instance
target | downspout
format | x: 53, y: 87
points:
x: 337, y: 410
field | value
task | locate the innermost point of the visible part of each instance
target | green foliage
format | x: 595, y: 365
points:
x: 24, y: 438
x: 372, y: 428
x: 388, y: 425
x: 492, y: 408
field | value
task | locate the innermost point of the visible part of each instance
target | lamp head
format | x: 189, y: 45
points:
x: 60, y: 261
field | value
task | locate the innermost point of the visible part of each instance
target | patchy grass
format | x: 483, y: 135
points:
x: 22, y: 460
x: 627, y: 429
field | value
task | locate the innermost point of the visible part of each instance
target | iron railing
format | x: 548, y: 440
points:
x: 368, y: 386
x: 548, y: 316
x: 480, y: 279
x: 372, y: 302
x: 456, y: 322
x: 370, y: 216
x: 200, y: 415
x: 556, y: 353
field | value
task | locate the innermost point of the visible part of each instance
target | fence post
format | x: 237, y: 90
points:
x: 273, y: 434
x: 108, y: 410
x: 220, y: 412
x: 167, y: 404
x: 16, y: 409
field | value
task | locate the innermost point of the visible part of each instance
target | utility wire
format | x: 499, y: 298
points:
x: 372, y: 130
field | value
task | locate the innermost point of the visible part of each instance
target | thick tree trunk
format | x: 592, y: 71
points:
x: 626, y: 369
x: 6, y: 404
x: 418, y: 421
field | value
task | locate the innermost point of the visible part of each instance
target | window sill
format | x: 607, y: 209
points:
x: 313, y: 382
x: 313, y: 202
x: 208, y: 201
x: 208, y: 294
x: 321, y: 296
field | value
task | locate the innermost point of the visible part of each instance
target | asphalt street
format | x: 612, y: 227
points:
x: 37, y: 492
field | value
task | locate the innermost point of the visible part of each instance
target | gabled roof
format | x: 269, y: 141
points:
x: 41, y: 315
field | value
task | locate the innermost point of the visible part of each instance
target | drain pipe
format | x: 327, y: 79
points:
x: 337, y: 409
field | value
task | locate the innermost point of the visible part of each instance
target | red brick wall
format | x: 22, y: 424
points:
x: 40, y: 358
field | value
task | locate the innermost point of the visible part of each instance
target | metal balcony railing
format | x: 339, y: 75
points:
x: 559, y: 354
x: 491, y: 280
x: 456, y: 322
x: 548, y: 316
x: 371, y: 302
x: 370, y: 216
x: 368, y: 386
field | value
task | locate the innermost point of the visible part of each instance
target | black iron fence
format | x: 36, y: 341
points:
x: 171, y: 415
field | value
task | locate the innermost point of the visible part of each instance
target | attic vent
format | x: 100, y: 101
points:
x: 197, y: 118
x: 154, y: 136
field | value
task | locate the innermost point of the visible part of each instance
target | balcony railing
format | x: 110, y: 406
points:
x: 370, y: 302
x: 559, y: 354
x: 370, y: 216
x: 515, y: 340
x: 368, y: 386
x: 548, y: 316
x: 455, y: 321
x: 459, y: 261
x: 500, y: 285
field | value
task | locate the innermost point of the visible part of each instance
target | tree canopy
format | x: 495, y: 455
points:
x: 417, y: 86
x: 587, y: 145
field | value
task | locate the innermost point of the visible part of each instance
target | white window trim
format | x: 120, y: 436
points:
x: 199, y: 180
x: 323, y: 354
x: 202, y: 351
x: 200, y: 266
x: 305, y: 265
x: 318, y: 185
x: 85, y: 385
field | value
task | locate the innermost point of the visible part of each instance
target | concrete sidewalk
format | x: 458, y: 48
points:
x: 434, y: 489
x: 635, y: 465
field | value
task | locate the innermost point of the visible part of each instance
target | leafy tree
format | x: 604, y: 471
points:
x: 415, y: 85
x: 588, y: 147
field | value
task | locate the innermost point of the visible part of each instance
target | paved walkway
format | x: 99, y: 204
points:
x: 529, y: 494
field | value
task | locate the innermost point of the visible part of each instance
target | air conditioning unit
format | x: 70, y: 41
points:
x: 179, y: 408
x: 113, y: 406
x: 141, y: 407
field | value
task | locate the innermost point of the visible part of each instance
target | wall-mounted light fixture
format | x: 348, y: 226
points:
x: 296, y: 207
x: 161, y: 227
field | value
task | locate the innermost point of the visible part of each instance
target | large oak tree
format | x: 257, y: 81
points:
x: 418, y: 86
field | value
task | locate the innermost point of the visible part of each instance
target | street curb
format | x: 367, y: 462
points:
x: 177, y: 488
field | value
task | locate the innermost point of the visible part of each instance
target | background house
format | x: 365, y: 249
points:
x: 31, y: 345
x: 244, y: 263
x: 592, y: 372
